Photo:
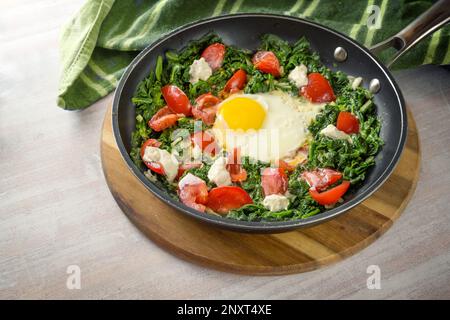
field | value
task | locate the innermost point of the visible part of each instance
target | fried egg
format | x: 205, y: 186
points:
x: 265, y: 126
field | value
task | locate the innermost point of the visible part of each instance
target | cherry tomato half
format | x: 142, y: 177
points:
x: 318, y: 89
x: 226, y: 198
x: 330, y: 196
x: 236, y: 82
x: 347, y: 122
x: 267, y: 62
x: 176, y: 99
x: 163, y: 119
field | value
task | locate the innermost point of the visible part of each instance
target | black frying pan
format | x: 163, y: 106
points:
x: 244, y: 30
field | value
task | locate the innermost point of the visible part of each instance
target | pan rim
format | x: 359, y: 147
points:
x: 257, y: 226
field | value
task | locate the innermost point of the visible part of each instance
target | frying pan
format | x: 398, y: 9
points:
x: 337, y: 51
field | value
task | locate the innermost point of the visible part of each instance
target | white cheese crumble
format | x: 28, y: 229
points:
x: 276, y: 202
x: 356, y: 82
x: 334, y: 133
x: 199, y: 70
x: 299, y: 76
x: 218, y: 172
x: 167, y: 161
x: 189, y: 179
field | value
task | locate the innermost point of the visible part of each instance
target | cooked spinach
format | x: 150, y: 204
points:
x: 352, y: 159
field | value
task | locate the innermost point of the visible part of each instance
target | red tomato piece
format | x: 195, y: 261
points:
x: 347, y: 122
x: 274, y: 181
x: 214, y: 55
x: 163, y: 119
x: 319, y: 179
x: 234, y: 166
x: 318, y: 89
x: 154, y: 166
x: 226, y: 198
x: 176, y: 99
x: 193, y: 192
x: 205, y: 108
x: 236, y: 82
x: 267, y: 61
x: 330, y: 196
x: 205, y: 141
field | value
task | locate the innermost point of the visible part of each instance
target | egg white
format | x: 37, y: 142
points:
x: 283, y: 131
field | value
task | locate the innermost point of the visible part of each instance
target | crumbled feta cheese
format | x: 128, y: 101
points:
x: 276, y: 202
x: 299, y: 76
x: 189, y: 179
x: 218, y: 172
x: 334, y: 133
x: 199, y: 70
x: 356, y: 82
x: 167, y: 161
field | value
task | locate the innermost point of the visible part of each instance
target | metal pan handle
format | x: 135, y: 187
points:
x: 430, y: 21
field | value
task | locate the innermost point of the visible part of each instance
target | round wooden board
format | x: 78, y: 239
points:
x: 261, y: 254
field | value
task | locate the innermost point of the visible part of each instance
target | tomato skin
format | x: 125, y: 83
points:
x: 193, y: 192
x: 267, y: 62
x: 154, y: 166
x: 318, y: 89
x: 236, y: 82
x: 176, y: 99
x: 163, y: 119
x: 319, y: 179
x: 205, y: 108
x: 226, y: 198
x: 330, y: 196
x: 214, y: 55
x: 234, y: 166
x: 205, y: 141
x: 347, y: 122
x: 274, y: 181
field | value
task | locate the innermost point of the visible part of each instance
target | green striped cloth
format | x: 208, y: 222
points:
x: 105, y: 35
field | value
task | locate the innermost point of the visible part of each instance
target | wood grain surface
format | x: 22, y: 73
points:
x: 56, y: 209
x: 270, y: 254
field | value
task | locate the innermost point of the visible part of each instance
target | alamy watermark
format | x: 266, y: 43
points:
x: 374, y: 280
x: 374, y: 19
x: 74, y: 279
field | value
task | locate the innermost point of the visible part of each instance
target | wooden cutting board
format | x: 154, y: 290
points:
x: 269, y: 254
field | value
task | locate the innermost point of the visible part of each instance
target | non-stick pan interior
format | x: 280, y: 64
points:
x: 244, y: 31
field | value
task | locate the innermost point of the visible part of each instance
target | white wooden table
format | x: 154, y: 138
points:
x: 56, y: 210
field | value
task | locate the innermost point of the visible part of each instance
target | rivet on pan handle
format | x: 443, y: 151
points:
x: 430, y: 21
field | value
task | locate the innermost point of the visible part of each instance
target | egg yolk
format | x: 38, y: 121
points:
x: 243, y: 113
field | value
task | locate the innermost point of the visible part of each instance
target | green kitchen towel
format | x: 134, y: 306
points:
x: 105, y: 35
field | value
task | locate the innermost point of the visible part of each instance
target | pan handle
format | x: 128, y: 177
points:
x: 430, y: 21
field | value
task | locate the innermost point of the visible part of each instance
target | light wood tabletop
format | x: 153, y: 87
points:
x: 56, y: 211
